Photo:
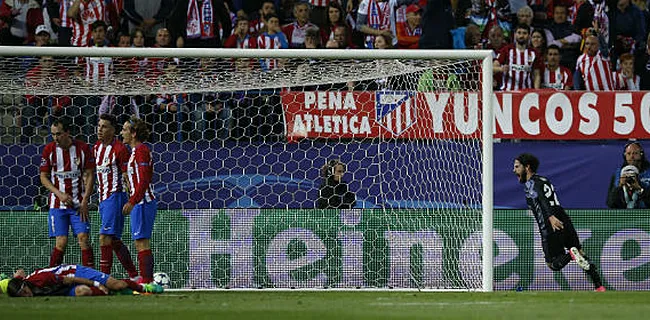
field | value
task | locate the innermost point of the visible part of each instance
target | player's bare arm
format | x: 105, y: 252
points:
x: 89, y: 181
x: 84, y: 281
x: 47, y: 183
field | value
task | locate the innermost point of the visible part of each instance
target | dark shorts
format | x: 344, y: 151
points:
x: 557, y: 243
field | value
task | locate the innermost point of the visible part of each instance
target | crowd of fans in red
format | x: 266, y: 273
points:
x: 561, y: 44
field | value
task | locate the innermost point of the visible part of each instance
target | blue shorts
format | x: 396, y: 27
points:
x: 142, y: 217
x: 110, y: 210
x: 60, y: 220
x: 91, y: 274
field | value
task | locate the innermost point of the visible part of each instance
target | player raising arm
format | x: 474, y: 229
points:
x: 142, y: 204
x: 63, y: 163
x: 555, y: 226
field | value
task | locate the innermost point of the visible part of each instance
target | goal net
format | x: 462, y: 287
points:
x: 273, y: 168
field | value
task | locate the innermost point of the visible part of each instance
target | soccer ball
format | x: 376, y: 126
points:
x: 161, y: 279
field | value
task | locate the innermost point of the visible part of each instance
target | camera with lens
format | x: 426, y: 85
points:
x: 630, y: 180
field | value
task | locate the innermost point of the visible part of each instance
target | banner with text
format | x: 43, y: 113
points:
x: 540, y: 114
x: 253, y: 248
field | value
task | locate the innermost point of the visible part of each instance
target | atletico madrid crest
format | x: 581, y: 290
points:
x: 395, y: 110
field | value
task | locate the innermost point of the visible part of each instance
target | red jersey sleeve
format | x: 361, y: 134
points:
x: 46, y: 166
x: 44, y: 279
x: 569, y: 82
x: 502, y: 56
x: 88, y: 155
x: 145, y: 172
x: 122, y: 158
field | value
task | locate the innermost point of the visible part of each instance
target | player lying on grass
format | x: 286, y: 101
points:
x: 71, y: 280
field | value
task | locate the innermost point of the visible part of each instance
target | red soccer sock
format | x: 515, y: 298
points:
x: 87, y: 258
x: 106, y: 260
x: 133, y: 285
x: 123, y: 254
x: 145, y: 260
x: 56, y: 258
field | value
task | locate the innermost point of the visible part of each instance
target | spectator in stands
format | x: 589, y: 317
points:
x: 625, y: 78
x: 633, y: 155
x: 593, y: 71
x: 538, y: 41
x: 562, y: 33
x: 42, y: 36
x: 486, y: 14
x: 334, y: 192
x: 149, y: 15
x: 124, y: 40
x: 47, y: 74
x: 473, y: 37
x: 519, y: 64
x: 138, y: 38
x: 61, y: 23
x: 627, y: 29
x: 341, y: 39
x: 241, y: 38
x: 525, y: 16
x: 496, y: 40
x: 18, y: 21
x: 581, y: 15
x: 643, y: 6
x: 295, y: 31
x: 83, y: 14
x: 554, y: 75
x: 383, y: 41
x: 437, y: 23
x: 376, y: 17
x: 200, y: 20
x: 257, y: 25
x: 319, y: 11
x: 272, y: 38
x: 629, y: 194
x: 643, y: 66
x: 335, y: 19
x: 409, y: 32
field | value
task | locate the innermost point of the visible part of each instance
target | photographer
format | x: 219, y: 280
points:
x: 629, y: 194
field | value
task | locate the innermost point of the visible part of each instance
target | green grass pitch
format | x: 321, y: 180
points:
x: 336, y: 305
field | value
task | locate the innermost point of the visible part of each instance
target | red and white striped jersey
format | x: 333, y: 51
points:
x: 560, y: 78
x: 110, y: 163
x: 271, y: 41
x: 52, y: 276
x: 296, y: 33
x: 321, y: 3
x: 89, y: 12
x: 66, y: 167
x: 255, y: 27
x: 234, y: 41
x: 623, y: 82
x: 596, y: 74
x: 521, y: 64
x: 140, y: 171
x: 64, y: 5
x: 98, y: 69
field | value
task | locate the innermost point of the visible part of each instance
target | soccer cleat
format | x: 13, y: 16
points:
x: 600, y: 289
x: 152, y: 288
x: 579, y: 258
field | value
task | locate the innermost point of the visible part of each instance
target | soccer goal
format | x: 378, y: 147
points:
x: 243, y: 141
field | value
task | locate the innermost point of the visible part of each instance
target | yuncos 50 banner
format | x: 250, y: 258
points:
x: 251, y: 248
x: 540, y: 114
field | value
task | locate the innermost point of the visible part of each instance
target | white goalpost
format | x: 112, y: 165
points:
x: 242, y: 141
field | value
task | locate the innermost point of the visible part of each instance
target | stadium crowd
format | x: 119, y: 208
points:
x: 558, y: 44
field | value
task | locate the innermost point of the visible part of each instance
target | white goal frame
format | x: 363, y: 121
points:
x: 487, y: 95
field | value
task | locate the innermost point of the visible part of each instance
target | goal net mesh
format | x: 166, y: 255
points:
x: 245, y: 151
